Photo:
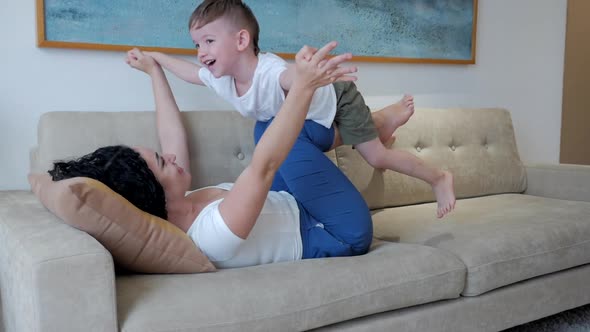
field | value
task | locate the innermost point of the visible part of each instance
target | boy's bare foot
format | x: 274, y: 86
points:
x: 402, y: 111
x: 445, y: 194
x: 393, y: 116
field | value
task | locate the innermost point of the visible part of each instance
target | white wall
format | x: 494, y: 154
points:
x: 520, y: 51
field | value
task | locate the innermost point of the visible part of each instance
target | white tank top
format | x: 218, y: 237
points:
x: 274, y: 238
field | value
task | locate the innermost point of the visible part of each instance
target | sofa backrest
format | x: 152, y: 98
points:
x: 220, y: 142
x: 477, y: 145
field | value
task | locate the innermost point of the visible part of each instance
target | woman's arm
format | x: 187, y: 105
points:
x: 241, y: 207
x: 171, y: 131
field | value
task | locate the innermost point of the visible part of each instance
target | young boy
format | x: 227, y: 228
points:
x: 225, y: 33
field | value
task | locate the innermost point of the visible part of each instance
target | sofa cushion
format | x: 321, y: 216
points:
x: 224, y: 137
x: 290, y: 296
x: 478, y: 144
x: 502, y: 239
x: 137, y: 240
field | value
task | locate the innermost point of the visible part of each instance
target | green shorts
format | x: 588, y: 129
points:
x: 353, y: 116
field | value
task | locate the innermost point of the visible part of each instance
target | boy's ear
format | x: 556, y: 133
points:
x: 243, y: 39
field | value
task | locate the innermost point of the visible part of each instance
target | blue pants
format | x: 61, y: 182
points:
x: 335, y: 220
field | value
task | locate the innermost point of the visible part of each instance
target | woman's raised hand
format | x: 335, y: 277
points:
x: 314, y: 70
x: 140, y: 61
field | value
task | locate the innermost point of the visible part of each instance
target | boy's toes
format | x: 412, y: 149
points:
x: 444, y: 210
x: 449, y: 208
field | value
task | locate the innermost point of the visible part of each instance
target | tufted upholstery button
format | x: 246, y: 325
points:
x: 240, y: 156
x: 453, y: 147
x: 418, y: 149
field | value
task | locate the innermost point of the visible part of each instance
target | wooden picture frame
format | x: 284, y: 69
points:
x: 371, y: 34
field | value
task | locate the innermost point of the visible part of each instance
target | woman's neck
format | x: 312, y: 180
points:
x: 181, y: 213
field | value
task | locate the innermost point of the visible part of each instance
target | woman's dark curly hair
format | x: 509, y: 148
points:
x: 123, y: 170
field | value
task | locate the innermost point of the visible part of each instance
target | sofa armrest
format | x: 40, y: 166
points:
x: 561, y: 181
x: 52, y: 277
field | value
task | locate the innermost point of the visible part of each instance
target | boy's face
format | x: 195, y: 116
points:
x: 217, y: 43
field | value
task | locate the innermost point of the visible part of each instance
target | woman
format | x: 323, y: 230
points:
x: 318, y: 213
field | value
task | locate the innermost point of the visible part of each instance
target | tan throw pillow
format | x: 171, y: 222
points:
x: 137, y: 240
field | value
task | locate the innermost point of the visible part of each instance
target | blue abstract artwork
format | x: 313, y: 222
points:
x: 412, y: 29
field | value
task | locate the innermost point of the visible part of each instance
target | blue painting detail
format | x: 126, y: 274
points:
x: 435, y: 29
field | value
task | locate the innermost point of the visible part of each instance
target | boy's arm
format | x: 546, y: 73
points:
x: 286, y: 78
x: 185, y: 70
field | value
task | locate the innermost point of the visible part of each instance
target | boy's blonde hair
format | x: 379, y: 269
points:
x: 235, y: 10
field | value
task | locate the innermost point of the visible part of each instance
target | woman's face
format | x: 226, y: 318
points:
x: 172, y: 177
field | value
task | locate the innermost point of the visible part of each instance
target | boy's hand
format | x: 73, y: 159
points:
x: 140, y: 61
x: 313, y: 69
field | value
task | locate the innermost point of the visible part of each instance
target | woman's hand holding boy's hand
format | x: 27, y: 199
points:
x: 314, y: 70
x: 140, y: 61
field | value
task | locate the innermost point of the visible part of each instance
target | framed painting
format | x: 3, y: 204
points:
x: 413, y: 31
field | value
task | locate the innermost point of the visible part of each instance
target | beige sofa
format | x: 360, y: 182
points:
x: 516, y: 249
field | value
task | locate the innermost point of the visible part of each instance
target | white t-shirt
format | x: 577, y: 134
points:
x: 265, y: 97
x: 274, y: 238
